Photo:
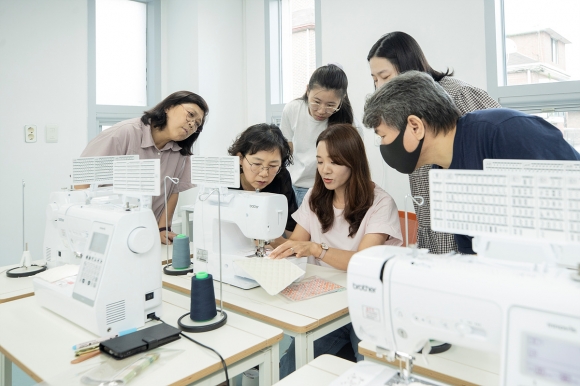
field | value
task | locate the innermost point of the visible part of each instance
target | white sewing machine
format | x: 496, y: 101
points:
x: 530, y: 318
x: 517, y: 298
x: 248, y: 220
x: 65, y: 242
x: 118, y: 282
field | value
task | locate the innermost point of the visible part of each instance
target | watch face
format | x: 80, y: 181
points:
x: 324, y: 246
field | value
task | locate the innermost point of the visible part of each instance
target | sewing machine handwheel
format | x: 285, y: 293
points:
x: 140, y: 240
x: 437, y: 347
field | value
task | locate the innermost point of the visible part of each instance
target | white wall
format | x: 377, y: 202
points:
x: 43, y: 80
x: 450, y: 32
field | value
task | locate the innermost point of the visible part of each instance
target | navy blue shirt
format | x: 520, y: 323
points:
x: 504, y: 134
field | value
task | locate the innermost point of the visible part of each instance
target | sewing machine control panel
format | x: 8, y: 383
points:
x: 543, y: 348
x: 91, y: 268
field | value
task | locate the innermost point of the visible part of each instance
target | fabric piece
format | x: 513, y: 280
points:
x: 381, y: 217
x: 134, y: 137
x: 504, y: 134
x: 282, y: 184
x: 272, y: 275
x: 467, y: 98
x: 302, y: 130
x: 310, y: 287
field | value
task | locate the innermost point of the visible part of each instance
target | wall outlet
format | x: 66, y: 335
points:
x: 51, y: 133
x: 30, y: 133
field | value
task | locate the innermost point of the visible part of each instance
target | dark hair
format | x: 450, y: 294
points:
x: 411, y: 93
x: 262, y: 136
x: 157, y: 117
x: 332, y: 77
x: 405, y: 54
x: 345, y: 147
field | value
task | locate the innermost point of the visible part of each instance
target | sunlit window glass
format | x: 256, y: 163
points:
x: 298, y: 46
x: 542, y: 41
x: 121, y: 53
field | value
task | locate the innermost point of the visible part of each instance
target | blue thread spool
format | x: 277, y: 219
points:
x: 202, y: 306
x: 181, y: 255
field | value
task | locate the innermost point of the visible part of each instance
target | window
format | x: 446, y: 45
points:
x: 124, y: 61
x: 293, y: 51
x: 533, y: 53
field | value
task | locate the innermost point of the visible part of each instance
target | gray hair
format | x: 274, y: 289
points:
x: 411, y: 93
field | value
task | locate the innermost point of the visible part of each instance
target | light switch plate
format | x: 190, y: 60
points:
x: 30, y: 133
x: 51, y: 133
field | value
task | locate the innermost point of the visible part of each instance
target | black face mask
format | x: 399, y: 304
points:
x: 400, y: 159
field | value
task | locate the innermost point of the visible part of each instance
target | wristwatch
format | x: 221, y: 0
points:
x: 324, y: 249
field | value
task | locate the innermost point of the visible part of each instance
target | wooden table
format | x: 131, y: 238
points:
x: 457, y: 366
x: 305, y: 320
x: 40, y: 343
x: 321, y: 371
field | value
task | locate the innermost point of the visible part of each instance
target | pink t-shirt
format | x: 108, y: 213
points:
x: 382, y: 217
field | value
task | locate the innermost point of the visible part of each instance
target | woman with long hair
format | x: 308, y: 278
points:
x: 324, y: 103
x: 345, y: 212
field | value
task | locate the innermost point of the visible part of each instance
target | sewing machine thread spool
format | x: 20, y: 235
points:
x: 181, y: 254
x: 202, y: 306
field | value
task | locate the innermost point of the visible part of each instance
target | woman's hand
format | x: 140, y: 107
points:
x: 169, y: 239
x: 297, y: 248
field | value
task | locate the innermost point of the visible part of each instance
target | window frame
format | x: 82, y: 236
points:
x: 99, y: 115
x: 274, y: 72
x: 531, y: 98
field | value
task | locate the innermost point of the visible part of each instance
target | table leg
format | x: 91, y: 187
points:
x: 301, y: 347
x: 5, y: 371
x: 275, y: 363
x: 265, y: 368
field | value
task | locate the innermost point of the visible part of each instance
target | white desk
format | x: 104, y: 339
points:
x: 15, y: 288
x: 39, y: 342
x: 18, y: 288
x: 305, y: 320
x: 321, y: 371
x: 457, y: 366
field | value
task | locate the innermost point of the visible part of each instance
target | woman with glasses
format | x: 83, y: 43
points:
x: 264, y: 157
x: 166, y: 132
x: 345, y: 212
x: 325, y: 102
x: 393, y: 54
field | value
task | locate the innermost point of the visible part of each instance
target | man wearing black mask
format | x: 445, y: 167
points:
x: 419, y: 125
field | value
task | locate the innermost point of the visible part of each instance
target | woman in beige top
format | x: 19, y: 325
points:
x: 166, y: 132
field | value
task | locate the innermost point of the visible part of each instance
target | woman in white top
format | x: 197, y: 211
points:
x: 345, y: 212
x: 325, y: 102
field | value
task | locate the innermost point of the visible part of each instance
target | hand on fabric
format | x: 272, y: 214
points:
x: 297, y: 248
x: 170, y: 236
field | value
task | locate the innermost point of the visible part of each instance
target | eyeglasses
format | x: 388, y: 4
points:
x: 257, y: 168
x: 191, y: 118
x: 328, y: 110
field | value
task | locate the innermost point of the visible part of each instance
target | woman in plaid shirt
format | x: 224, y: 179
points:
x: 393, y: 54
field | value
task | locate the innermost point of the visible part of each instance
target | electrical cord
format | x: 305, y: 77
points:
x: 225, y: 367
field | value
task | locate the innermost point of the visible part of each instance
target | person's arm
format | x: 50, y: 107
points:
x: 301, y: 246
x: 171, y: 204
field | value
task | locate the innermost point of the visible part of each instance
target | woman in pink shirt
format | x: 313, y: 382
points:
x: 345, y: 212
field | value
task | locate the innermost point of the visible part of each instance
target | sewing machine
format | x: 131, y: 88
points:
x: 518, y: 298
x: 248, y: 221
x: 118, y: 281
x: 64, y: 242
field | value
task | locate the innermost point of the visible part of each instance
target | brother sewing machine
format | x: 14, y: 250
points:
x: 248, y: 221
x: 524, y: 308
x: 118, y: 281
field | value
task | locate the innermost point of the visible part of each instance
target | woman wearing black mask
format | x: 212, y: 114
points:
x: 398, y: 52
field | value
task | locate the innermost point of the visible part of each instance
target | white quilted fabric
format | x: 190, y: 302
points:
x: 272, y: 275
